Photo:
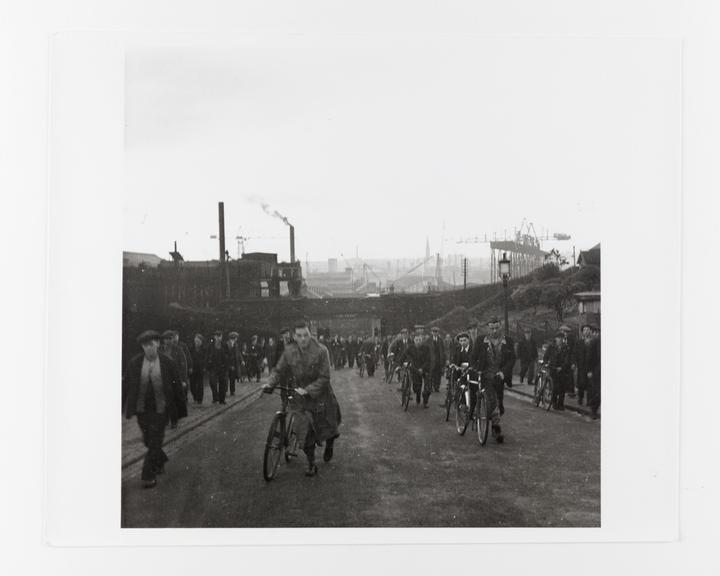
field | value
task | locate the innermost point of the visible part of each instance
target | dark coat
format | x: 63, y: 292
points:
x: 507, y: 357
x: 234, y: 357
x: 217, y: 360
x: 459, y: 356
x: 398, y: 347
x: 418, y: 356
x: 436, y: 350
x: 310, y: 369
x: 199, y: 358
x: 527, y: 350
x: 175, y: 406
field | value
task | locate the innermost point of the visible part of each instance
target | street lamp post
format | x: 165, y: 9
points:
x: 504, y: 269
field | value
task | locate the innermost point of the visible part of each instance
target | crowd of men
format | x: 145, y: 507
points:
x: 158, y: 380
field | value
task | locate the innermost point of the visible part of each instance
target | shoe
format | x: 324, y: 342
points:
x: 148, y: 483
x: 222, y: 402
x: 311, y: 470
x: 160, y: 469
x: 425, y: 405
x: 328, y: 453
x: 497, y: 434
x: 561, y: 408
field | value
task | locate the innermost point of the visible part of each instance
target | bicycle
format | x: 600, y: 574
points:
x: 361, y: 364
x: 479, y: 417
x: 450, y: 372
x: 544, y: 386
x: 281, y: 438
x: 406, y: 385
x: 392, y: 368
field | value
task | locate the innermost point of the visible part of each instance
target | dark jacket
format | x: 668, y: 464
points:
x: 217, y: 360
x: 175, y: 406
x: 557, y: 357
x: 436, y: 349
x: 459, y: 356
x: 418, y: 356
x: 234, y: 358
x: 507, y: 357
x: 199, y: 357
x: 527, y: 350
x: 398, y: 347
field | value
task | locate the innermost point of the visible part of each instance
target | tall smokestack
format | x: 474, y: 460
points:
x: 292, y: 243
x: 221, y: 227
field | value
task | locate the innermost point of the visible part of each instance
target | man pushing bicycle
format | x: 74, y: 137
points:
x: 494, y: 359
x: 306, y: 363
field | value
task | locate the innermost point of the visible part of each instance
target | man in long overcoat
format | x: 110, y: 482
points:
x: 305, y: 365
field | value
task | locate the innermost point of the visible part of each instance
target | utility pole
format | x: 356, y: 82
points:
x: 465, y: 272
x: 224, y: 276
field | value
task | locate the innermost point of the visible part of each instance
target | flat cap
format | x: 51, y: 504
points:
x: 168, y: 334
x: 217, y: 333
x: 463, y: 335
x: 148, y: 335
x: 559, y: 334
x: 493, y: 320
x: 198, y: 335
x: 233, y: 334
x: 284, y: 329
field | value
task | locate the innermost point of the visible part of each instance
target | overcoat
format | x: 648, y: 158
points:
x: 310, y: 369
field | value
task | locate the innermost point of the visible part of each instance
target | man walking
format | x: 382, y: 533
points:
x: 436, y: 348
x: 234, y: 360
x: 528, y: 354
x: 155, y: 396
x: 217, y: 368
x: 494, y: 357
x: 306, y: 363
x: 197, y: 376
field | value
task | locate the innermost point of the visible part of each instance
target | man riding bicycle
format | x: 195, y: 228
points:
x: 317, y: 414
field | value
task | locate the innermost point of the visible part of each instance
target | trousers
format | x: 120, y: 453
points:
x: 152, y: 425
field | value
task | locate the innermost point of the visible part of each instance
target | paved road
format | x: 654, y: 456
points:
x: 391, y: 469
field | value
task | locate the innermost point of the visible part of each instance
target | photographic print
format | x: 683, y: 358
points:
x: 362, y: 281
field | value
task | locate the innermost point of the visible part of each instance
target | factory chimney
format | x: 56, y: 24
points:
x: 292, y: 243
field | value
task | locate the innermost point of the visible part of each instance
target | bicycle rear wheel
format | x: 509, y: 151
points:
x: 547, y: 392
x: 462, y: 412
x: 273, y: 448
x: 291, y: 439
x: 406, y: 391
x: 483, y: 421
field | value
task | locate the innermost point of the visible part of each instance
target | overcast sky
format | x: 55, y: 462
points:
x: 374, y: 142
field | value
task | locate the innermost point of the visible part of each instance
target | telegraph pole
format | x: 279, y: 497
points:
x: 465, y: 272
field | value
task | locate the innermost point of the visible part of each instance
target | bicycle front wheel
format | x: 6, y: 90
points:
x: 462, y: 413
x: 273, y: 448
x: 291, y: 439
x: 547, y: 392
x: 537, y: 392
x: 405, y: 392
x: 483, y: 420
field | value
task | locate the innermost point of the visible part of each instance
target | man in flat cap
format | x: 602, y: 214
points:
x: 234, y: 360
x: 494, y: 357
x: 436, y: 347
x: 582, y: 354
x: 557, y: 360
x: 175, y: 353
x: 305, y: 365
x: 199, y: 357
x: 155, y: 396
x: 593, y: 372
x: 217, y: 367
